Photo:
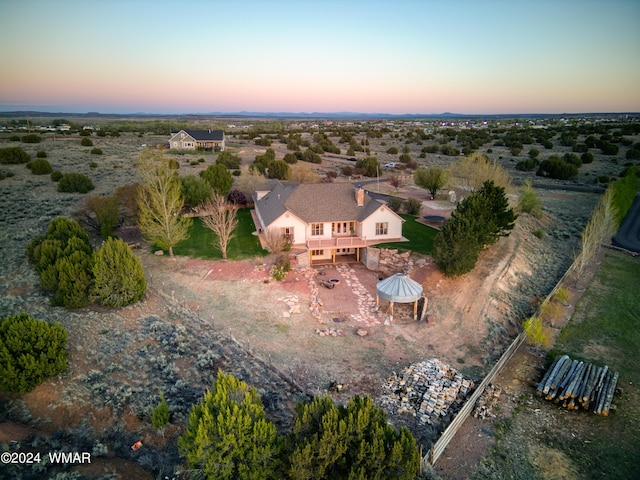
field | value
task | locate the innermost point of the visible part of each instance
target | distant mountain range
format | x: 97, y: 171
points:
x: 317, y: 115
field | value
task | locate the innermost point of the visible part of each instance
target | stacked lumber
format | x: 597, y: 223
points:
x: 487, y: 402
x: 428, y: 390
x: 576, y: 385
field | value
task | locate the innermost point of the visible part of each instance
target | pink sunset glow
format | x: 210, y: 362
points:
x: 397, y: 59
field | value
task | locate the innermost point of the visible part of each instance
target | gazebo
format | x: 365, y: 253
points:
x: 399, y: 288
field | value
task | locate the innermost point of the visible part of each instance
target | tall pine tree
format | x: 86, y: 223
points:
x: 480, y: 220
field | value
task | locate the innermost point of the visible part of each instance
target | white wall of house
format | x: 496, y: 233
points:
x: 287, y: 220
x: 382, y: 215
x: 326, y: 231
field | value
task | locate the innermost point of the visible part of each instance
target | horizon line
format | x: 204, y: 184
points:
x: 315, y: 114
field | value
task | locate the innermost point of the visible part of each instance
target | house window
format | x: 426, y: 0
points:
x: 317, y: 229
x: 317, y: 253
x: 382, y: 228
x: 287, y: 232
x: 342, y: 227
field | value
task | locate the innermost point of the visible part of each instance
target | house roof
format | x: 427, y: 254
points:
x: 206, y: 135
x: 271, y: 205
x: 316, y: 202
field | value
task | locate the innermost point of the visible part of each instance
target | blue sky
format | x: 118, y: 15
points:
x: 400, y: 56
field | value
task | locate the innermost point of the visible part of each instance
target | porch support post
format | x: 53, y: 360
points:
x: 333, y: 254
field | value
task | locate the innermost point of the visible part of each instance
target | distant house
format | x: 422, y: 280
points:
x: 325, y: 220
x: 197, y: 140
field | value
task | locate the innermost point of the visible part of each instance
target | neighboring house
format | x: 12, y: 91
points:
x: 197, y: 140
x: 325, y: 219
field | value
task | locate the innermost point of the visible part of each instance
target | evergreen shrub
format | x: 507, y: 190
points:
x: 31, y: 351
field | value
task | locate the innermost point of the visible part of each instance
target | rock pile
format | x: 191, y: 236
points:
x: 292, y: 303
x: 315, y: 304
x: 330, y: 332
x: 428, y: 390
x: 390, y: 261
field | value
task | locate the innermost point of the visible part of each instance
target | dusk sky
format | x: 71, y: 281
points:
x: 400, y: 56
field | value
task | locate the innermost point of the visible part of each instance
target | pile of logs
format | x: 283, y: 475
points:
x: 577, y: 385
x: 428, y: 390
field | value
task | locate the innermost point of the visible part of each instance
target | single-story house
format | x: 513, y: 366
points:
x: 325, y: 220
x: 197, y: 140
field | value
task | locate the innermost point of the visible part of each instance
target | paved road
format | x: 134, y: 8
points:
x: 628, y: 236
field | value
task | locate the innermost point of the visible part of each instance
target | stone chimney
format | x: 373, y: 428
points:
x: 359, y: 196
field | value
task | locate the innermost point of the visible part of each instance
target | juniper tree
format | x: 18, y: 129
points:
x: 63, y: 258
x: 160, y: 414
x: 31, y: 351
x: 227, y: 435
x: 119, y: 278
x: 356, y: 441
x: 219, y: 178
x: 455, y: 248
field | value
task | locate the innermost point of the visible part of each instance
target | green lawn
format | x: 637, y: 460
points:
x: 605, y: 329
x: 419, y: 235
x: 200, y: 241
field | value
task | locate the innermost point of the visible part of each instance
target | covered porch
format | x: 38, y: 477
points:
x: 337, y: 246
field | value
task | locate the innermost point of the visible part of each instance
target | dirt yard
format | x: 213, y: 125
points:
x: 200, y: 315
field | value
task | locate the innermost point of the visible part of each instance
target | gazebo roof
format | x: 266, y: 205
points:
x: 399, y: 288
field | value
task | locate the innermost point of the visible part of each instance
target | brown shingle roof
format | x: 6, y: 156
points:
x: 328, y: 202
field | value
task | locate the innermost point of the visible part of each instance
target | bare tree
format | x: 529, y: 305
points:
x: 248, y: 180
x: 222, y: 218
x: 598, y: 230
x: 160, y: 201
x: 394, y: 181
x: 473, y: 170
x: 275, y: 240
x: 301, y: 172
